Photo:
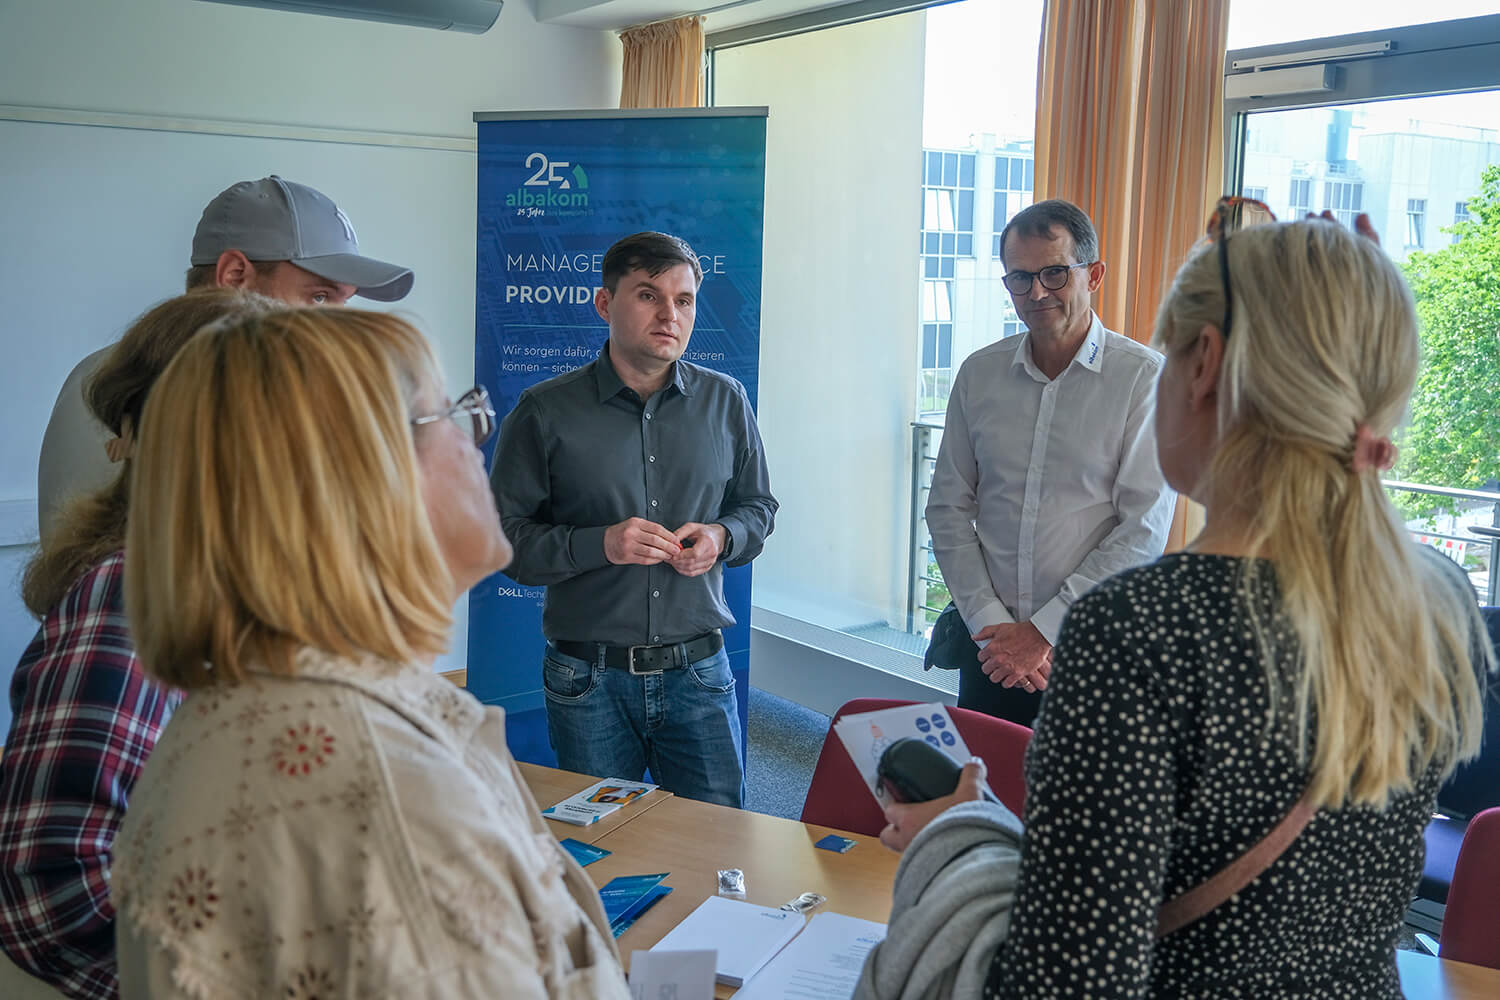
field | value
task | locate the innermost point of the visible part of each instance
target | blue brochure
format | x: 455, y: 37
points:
x: 627, y: 896
x: 646, y: 902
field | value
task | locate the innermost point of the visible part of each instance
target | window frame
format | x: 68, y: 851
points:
x: 1423, y: 60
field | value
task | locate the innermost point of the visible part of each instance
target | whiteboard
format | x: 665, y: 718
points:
x: 96, y: 224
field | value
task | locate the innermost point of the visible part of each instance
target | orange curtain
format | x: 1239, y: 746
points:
x: 1129, y: 126
x: 663, y: 65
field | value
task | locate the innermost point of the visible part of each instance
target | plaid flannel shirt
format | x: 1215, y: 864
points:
x: 84, y: 720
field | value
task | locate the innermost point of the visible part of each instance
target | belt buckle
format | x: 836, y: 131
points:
x: 642, y: 673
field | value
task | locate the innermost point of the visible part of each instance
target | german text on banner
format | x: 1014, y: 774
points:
x: 555, y: 190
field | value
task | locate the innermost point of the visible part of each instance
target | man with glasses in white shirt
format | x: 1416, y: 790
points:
x: 1046, y: 481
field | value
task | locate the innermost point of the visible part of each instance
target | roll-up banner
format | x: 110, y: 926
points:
x: 556, y: 189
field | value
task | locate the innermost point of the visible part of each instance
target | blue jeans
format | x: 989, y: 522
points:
x: 683, y: 724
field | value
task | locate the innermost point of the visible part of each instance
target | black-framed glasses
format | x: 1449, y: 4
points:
x: 1230, y: 215
x: 473, y: 413
x: 1052, y: 278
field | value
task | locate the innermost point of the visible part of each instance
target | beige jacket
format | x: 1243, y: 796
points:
x: 359, y: 830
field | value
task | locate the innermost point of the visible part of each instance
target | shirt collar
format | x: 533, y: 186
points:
x: 1090, y: 353
x: 605, y: 377
x: 609, y: 383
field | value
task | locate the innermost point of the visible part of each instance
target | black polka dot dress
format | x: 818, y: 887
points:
x: 1152, y: 768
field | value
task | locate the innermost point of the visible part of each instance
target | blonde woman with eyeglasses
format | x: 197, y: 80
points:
x: 1288, y: 693
x: 325, y: 816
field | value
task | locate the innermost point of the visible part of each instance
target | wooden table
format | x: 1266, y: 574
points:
x: 693, y: 840
x: 1424, y: 976
x: 549, y: 786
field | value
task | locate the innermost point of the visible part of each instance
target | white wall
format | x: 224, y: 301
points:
x: 839, y: 316
x: 75, y: 270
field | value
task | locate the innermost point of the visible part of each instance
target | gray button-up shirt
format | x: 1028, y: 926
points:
x: 581, y: 452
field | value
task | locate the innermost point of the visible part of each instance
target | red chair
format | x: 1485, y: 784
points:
x: 840, y: 798
x: 1471, y: 923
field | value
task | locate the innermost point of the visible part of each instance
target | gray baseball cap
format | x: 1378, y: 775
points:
x: 274, y: 219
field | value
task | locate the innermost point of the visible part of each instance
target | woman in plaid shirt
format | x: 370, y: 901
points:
x: 84, y: 716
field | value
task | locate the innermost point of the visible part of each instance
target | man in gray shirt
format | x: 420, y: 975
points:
x: 625, y: 486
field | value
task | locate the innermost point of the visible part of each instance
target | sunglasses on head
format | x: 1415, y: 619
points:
x: 1230, y: 215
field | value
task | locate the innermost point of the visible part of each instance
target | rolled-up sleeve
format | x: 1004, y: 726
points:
x: 749, y: 511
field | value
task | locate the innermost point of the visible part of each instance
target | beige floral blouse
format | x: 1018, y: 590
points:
x: 358, y: 830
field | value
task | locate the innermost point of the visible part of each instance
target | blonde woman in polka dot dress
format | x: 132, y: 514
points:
x: 1301, y: 645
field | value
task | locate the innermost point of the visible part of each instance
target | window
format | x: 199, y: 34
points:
x: 847, y: 189
x: 1370, y: 146
x: 937, y: 301
x: 1013, y: 180
x: 1255, y: 194
x: 1300, y: 202
x: 948, y: 200
x: 937, y: 364
x: 1269, y: 22
x: 1342, y: 198
x: 1416, y: 221
x: 1460, y: 215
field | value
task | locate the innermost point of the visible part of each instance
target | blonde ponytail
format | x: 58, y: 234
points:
x: 1324, y: 341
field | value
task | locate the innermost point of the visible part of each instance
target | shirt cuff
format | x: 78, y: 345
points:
x: 1048, y: 620
x: 993, y: 613
x: 586, y: 548
x: 734, y: 538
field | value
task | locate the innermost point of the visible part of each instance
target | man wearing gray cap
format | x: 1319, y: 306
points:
x: 272, y: 236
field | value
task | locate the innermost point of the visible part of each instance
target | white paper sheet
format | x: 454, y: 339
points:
x: 744, y: 934
x: 672, y: 975
x: 821, y: 963
x: 867, y: 735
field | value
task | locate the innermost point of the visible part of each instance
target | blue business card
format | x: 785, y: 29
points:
x: 584, y: 854
x: 833, y: 842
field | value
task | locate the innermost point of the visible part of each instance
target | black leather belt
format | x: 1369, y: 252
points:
x: 646, y: 659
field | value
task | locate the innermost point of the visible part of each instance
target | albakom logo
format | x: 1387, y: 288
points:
x: 552, y: 184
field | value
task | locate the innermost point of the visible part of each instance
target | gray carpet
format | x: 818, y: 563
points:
x: 784, y: 743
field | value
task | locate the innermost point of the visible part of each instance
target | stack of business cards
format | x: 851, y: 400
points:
x: 597, y: 801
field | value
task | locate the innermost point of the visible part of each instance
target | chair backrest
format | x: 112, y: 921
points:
x: 839, y: 797
x: 1475, y: 786
x: 1471, y: 923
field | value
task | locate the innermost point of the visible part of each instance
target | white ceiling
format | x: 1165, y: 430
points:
x: 718, y: 14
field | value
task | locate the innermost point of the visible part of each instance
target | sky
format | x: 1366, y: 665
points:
x: 981, y: 59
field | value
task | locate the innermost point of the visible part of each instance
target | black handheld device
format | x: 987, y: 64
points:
x: 914, y: 770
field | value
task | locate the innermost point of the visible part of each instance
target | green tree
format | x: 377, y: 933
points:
x: 1454, y: 435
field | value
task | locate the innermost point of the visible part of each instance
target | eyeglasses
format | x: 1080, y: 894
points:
x: 473, y: 413
x: 1052, y: 278
x: 1230, y: 215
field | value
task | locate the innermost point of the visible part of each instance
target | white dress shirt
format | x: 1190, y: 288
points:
x: 1043, y: 488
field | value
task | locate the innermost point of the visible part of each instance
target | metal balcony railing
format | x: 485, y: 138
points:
x: 923, y: 576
